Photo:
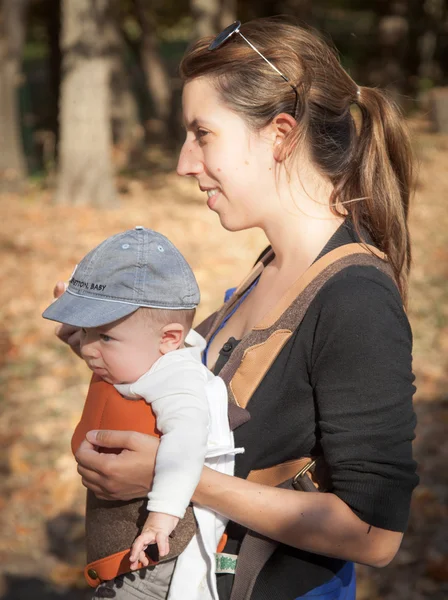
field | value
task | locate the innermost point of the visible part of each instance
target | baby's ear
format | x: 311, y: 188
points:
x: 171, y: 338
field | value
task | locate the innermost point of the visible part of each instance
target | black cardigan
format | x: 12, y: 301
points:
x: 342, y: 385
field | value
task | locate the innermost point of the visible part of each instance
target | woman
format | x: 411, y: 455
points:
x: 272, y: 140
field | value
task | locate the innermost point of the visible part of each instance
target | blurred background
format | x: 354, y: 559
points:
x: 89, y: 132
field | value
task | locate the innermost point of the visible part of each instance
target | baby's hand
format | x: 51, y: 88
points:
x: 156, y: 530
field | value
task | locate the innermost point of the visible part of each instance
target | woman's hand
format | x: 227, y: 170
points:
x: 67, y: 333
x: 123, y: 476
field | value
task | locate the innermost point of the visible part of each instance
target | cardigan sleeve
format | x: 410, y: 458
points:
x: 361, y: 374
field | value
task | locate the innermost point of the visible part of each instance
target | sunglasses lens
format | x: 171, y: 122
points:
x: 224, y: 35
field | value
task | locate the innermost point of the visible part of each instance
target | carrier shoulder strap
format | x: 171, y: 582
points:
x: 254, y: 355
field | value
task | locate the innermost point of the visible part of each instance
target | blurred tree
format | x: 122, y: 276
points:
x: 210, y: 16
x: 206, y: 16
x: 12, y: 33
x: 405, y: 57
x: 154, y: 68
x: 125, y: 119
x: 227, y: 13
x: 430, y: 24
x: 387, y: 69
x: 85, y: 164
x: 53, y: 26
x: 298, y: 9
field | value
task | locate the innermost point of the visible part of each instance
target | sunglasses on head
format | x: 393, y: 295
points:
x: 227, y: 33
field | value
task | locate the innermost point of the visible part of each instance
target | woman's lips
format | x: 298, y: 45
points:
x: 211, y: 200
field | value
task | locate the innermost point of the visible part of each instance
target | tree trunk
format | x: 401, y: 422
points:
x: 227, y: 13
x: 127, y: 131
x: 55, y: 62
x: 156, y: 74
x: 12, y: 31
x: 387, y: 65
x: 435, y: 29
x: 439, y: 109
x: 85, y: 167
x: 206, y: 15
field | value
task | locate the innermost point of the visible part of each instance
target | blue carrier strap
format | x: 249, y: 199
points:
x: 340, y: 587
x: 228, y: 294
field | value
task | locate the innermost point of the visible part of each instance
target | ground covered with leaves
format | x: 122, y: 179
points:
x: 43, y: 385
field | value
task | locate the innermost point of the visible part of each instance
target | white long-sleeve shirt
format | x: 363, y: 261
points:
x: 190, y: 405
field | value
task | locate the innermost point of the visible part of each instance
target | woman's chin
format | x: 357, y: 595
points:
x: 232, y: 224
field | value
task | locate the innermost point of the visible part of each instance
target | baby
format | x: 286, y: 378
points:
x: 134, y: 298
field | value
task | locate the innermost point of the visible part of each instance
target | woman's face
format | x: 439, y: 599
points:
x: 233, y: 165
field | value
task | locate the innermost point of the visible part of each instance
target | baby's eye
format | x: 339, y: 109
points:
x: 83, y: 330
x: 104, y: 337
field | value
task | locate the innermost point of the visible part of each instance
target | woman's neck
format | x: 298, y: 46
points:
x: 297, y: 247
x: 302, y: 223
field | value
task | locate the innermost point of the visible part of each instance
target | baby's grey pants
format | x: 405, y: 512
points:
x: 151, y: 583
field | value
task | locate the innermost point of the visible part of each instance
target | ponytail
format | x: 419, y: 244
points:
x: 376, y: 186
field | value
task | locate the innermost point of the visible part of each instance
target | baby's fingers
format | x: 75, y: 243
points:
x: 138, y: 548
x: 138, y: 557
x: 162, y: 544
x: 143, y: 558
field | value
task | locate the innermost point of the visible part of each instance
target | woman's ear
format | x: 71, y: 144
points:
x: 281, y: 126
x: 171, y: 338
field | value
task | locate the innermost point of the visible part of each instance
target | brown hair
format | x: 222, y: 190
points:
x: 159, y: 317
x: 370, y: 166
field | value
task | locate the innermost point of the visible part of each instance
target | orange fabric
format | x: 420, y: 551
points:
x: 109, y: 567
x: 222, y: 543
x: 118, y: 564
x: 105, y: 408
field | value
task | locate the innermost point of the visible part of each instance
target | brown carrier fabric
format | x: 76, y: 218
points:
x: 250, y: 361
x: 111, y: 527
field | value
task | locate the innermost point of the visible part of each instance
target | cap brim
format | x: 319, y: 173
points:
x: 86, y: 312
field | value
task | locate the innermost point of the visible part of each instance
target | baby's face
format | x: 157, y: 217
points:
x: 122, y: 351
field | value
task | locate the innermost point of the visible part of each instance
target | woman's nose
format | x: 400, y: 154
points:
x: 190, y: 161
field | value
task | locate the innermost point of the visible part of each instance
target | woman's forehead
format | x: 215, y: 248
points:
x: 200, y: 95
x: 202, y: 104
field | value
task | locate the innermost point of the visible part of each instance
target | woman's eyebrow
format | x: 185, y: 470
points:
x: 191, y: 125
x: 195, y: 123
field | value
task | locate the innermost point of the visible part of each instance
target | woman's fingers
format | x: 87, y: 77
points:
x: 59, y: 289
x: 117, y: 476
x: 129, y: 440
x: 70, y: 335
x: 67, y: 333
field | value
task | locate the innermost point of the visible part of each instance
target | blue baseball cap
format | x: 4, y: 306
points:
x: 134, y: 269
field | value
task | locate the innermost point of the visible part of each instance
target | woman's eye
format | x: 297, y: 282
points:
x: 105, y: 338
x: 200, y: 134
